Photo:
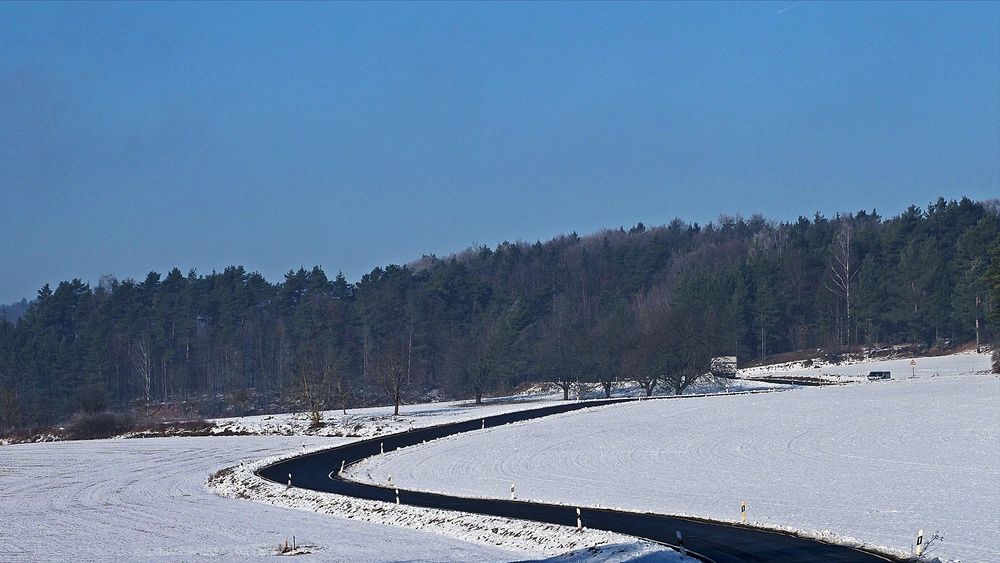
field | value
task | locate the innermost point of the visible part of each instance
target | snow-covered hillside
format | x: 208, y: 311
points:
x: 873, y: 461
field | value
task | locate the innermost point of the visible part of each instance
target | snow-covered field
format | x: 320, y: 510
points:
x: 901, y: 368
x: 146, y: 500
x: 871, y: 461
x: 844, y: 459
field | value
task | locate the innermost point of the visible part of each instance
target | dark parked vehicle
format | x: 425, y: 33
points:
x: 876, y: 375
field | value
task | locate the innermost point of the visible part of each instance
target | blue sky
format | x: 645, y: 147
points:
x: 137, y: 137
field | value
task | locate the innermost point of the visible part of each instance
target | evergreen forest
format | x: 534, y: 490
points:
x: 646, y: 304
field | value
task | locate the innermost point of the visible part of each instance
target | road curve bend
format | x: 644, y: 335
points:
x: 720, y: 542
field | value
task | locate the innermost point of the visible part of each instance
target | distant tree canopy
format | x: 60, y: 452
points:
x: 645, y: 303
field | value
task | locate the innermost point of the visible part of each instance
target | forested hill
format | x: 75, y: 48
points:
x: 642, y: 303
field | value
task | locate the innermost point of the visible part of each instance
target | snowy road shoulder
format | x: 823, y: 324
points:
x: 534, y: 539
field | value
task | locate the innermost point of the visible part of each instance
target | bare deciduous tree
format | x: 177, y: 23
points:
x: 9, y: 409
x: 647, y: 355
x: 842, y: 270
x: 561, y: 350
x: 142, y: 363
x: 320, y: 369
x: 391, y: 367
x: 606, y: 344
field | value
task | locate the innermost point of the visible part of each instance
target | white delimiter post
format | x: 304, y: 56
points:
x: 579, y: 521
x: 512, y: 497
x: 381, y: 447
x: 342, y: 462
x: 919, y: 548
x: 289, y: 479
x: 680, y: 543
x: 397, y: 496
x: 743, y: 512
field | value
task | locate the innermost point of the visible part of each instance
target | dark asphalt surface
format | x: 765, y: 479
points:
x: 721, y: 542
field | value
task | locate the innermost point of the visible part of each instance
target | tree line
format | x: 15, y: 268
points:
x: 645, y: 304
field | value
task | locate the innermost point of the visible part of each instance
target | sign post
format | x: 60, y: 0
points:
x: 913, y: 368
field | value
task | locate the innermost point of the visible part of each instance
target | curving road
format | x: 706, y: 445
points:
x: 712, y: 541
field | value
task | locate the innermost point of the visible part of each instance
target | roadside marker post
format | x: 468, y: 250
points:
x: 381, y: 447
x: 484, y: 424
x: 289, y: 480
x: 579, y: 521
x: 919, y: 548
x: 397, y: 496
x: 743, y: 512
x: 342, y: 462
x: 680, y: 543
x: 512, y: 496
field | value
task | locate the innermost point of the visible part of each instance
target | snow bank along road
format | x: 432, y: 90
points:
x: 145, y: 500
x: 718, y: 541
x: 873, y: 461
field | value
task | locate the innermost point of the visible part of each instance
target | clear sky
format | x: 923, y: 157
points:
x: 137, y: 137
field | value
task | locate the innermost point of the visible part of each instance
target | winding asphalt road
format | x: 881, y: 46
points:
x: 712, y: 541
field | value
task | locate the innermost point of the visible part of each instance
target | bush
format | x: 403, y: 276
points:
x: 219, y: 475
x: 84, y: 426
x: 316, y: 420
x: 91, y: 398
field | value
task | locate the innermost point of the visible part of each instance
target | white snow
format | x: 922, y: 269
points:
x: 868, y: 463
x: 376, y: 421
x: 146, y: 500
x: 530, y: 537
x: 901, y: 368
